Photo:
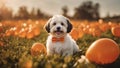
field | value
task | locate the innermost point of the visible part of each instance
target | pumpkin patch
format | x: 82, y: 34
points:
x: 22, y: 43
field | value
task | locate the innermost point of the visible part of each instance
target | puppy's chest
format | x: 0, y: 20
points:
x: 61, y: 45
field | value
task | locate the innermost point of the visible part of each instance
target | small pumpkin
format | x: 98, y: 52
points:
x: 95, y: 31
x: 104, y: 27
x: 36, y: 30
x: 27, y: 64
x: 22, y: 33
x: 75, y: 33
x: 17, y: 30
x: 116, y: 31
x: 1, y: 25
x: 30, y: 34
x: 37, y: 49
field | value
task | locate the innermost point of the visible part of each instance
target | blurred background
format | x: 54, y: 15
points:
x: 22, y: 22
x: 74, y: 9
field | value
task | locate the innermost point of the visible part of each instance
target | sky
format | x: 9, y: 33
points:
x: 53, y: 7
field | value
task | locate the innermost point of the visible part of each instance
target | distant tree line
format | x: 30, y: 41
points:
x: 85, y: 11
x: 34, y: 14
x: 5, y: 13
x: 23, y: 13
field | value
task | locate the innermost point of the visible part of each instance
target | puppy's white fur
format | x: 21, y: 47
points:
x: 69, y: 46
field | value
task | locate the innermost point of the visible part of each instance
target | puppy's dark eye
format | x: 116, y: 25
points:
x: 54, y: 23
x: 62, y: 23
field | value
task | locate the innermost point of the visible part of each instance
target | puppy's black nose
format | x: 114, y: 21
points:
x: 58, y: 28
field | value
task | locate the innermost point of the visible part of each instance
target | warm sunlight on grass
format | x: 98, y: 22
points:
x: 17, y: 38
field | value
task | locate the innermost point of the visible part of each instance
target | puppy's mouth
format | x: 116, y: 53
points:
x: 58, y: 32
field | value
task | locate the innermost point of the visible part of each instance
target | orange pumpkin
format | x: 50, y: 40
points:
x: 95, y: 31
x: 1, y: 43
x: 113, y: 24
x: 30, y: 34
x: 23, y: 32
x: 1, y: 25
x: 36, y: 31
x: 17, y: 30
x: 104, y: 27
x: 86, y: 29
x: 116, y: 31
x: 103, y: 51
x: 37, y: 49
x: 74, y: 33
x: 27, y: 64
x: 81, y: 33
x: 7, y: 33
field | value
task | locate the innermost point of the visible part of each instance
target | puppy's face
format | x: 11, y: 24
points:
x: 58, y: 26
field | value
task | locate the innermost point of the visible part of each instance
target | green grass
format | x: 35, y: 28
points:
x: 16, y: 51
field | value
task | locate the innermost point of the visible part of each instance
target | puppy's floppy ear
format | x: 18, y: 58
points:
x: 47, y: 26
x: 69, y: 28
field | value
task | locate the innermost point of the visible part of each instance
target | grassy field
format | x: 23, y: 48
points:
x: 16, y: 40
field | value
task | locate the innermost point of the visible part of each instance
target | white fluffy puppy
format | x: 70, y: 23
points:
x: 59, y: 41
